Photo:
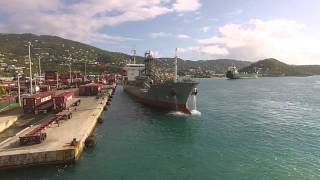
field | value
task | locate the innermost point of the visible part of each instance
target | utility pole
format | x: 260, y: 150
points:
x: 57, y: 78
x: 76, y: 80
x: 70, y: 73
x: 30, y: 66
x: 39, y: 66
x: 19, y: 94
x: 176, y: 66
x: 85, y: 71
x: 70, y: 76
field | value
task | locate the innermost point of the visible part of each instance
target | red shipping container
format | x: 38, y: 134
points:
x: 91, y: 89
x: 31, y: 103
x: 44, y: 88
x: 50, y: 75
x: 60, y: 100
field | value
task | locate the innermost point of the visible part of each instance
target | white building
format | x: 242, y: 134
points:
x: 133, y: 70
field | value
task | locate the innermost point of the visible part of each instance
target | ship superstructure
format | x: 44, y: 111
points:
x: 144, y: 83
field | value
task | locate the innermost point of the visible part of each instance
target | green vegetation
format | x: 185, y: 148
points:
x: 273, y: 67
x: 3, y: 91
x: 57, y: 53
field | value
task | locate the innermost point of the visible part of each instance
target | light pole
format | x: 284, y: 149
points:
x: 85, y: 71
x: 57, y: 78
x: 19, y: 94
x: 69, y: 66
x: 30, y: 66
x: 39, y: 58
x: 70, y: 73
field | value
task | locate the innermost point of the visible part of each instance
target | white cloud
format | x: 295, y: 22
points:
x: 234, y: 13
x: 211, y: 50
x: 205, y: 29
x: 186, y: 5
x: 183, y: 36
x: 160, y: 34
x: 258, y: 39
x: 164, y: 34
x: 83, y: 20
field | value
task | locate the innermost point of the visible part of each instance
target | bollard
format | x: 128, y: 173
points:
x: 91, y: 141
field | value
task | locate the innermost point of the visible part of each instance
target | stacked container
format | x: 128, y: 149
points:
x: 91, y: 89
x: 32, y: 103
x: 60, y: 101
x: 44, y: 88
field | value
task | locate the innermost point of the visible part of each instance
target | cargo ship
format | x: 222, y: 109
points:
x: 143, y: 82
x: 233, y: 73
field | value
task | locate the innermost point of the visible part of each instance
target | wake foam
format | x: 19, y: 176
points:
x: 179, y: 113
x: 195, y: 113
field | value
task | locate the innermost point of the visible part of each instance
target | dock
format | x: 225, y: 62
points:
x: 9, y: 117
x: 58, y: 147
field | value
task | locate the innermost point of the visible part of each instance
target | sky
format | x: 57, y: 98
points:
x: 250, y: 30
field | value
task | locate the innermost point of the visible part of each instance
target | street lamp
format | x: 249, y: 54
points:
x: 39, y: 58
x: 30, y: 66
x: 19, y: 94
x: 85, y: 71
x: 70, y: 73
x: 69, y: 65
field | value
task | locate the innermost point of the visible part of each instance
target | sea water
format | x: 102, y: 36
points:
x: 265, y: 128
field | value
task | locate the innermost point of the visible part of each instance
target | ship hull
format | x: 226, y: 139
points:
x: 171, y: 96
x: 231, y: 75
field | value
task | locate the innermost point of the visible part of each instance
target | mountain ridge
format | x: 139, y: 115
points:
x: 274, y: 67
x: 56, y: 53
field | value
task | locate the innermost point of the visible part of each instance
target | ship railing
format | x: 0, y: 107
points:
x: 146, y: 84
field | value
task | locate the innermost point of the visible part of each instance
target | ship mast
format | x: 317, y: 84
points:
x: 176, y: 66
x: 134, y: 55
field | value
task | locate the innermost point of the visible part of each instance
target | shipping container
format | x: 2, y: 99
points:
x: 60, y: 101
x: 33, y: 102
x: 44, y: 88
x: 91, y: 89
x: 50, y: 75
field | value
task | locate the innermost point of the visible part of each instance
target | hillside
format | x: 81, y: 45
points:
x: 218, y: 65
x: 55, y: 52
x: 273, y: 67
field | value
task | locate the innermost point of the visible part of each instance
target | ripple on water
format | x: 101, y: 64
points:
x: 252, y: 129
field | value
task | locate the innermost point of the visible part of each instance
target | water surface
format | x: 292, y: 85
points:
x: 267, y: 128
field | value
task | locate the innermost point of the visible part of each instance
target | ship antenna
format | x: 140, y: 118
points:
x: 176, y: 66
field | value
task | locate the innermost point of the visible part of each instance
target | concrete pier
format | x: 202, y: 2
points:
x: 57, y: 147
x: 9, y: 117
x: 6, y: 122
